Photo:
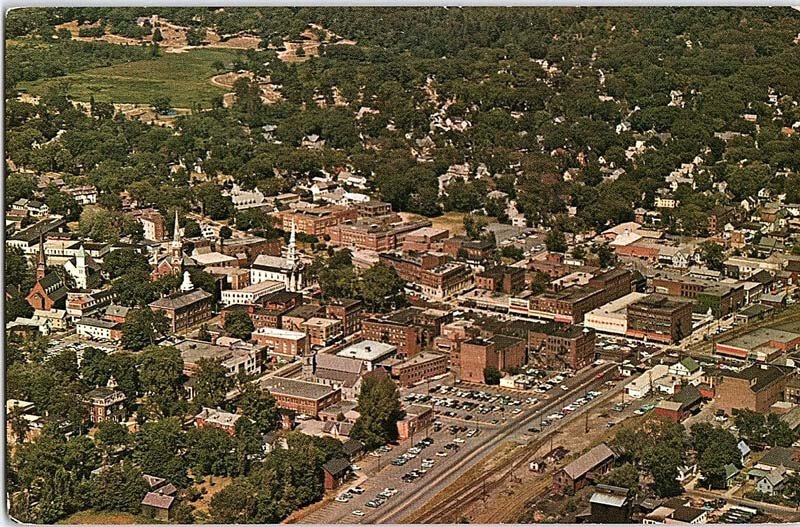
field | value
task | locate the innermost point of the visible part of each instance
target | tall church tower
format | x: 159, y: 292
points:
x: 176, y: 244
x: 81, y: 269
x: 41, y: 263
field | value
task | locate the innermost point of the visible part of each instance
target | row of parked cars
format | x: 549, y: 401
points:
x: 413, y: 452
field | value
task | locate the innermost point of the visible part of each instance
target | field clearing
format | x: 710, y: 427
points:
x: 453, y: 221
x: 104, y: 518
x: 184, y: 78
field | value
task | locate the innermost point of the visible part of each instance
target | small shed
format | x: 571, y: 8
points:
x: 158, y: 506
x: 336, y: 472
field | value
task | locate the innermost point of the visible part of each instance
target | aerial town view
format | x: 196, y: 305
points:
x: 402, y: 265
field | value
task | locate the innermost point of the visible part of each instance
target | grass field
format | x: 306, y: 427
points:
x: 104, y: 518
x: 183, y: 77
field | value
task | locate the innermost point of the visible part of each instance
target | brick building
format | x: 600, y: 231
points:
x: 410, y: 329
x: 430, y: 274
x: 555, y: 346
x: 186, y: 309
x: 300, y: 396
x: 660, y: 318
x: 499, y: 351
x: 373, y: 234
x: 755, y: 388
x: 591, y: 465
x: 316, y: 220
x: 502, y: 278
x: 721, y: 299
x: 106, y: 403
x: 419, y: 368
x: 347, y: 311
x: 282, y: 342
x: 424, y: 239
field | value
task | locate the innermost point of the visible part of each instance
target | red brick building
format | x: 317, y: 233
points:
x: 755, y: 388
x: 660, y: 318
x: 347, y: 311
x: 419, y: 368
x: 498, y: 351
x: 555, y: 346
x: 430, y: 274
x: 502, y: 278
x: 315, y: 221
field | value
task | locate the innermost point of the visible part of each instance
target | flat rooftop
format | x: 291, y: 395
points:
x: 617, y: 307
x: 295, y: 388
x: 760, y: 337
x: 368, y: 350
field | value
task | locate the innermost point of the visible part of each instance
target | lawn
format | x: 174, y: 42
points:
x: 104, y: 518
x: 184, y: 77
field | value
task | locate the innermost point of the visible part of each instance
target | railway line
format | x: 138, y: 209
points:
x: 439, y: 509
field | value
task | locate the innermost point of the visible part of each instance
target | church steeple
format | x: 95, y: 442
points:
x: 41, y: 264
x: 291, y: 253
x: 176, y: 244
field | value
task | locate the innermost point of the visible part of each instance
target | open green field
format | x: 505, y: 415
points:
x: 183, y: 77
x: 105, y: 518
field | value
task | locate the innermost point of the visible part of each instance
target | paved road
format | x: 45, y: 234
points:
x: 779, y: 511
x: 446, y: 470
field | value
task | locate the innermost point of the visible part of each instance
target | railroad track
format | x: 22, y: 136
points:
x: 491, y: 478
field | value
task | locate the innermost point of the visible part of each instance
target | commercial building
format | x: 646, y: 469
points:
x: 417, y: 419
x: 347, y: 311
x: 498, y: 351
x: 501, y: 278
x: 720, y: 298
x: 556, y: 346
x: 369, y: 351
x: 185, y: 309
x: 418, y: 368
x: 613, y: 316
x: 755, y: 388
x: 250, y: 294
x: 410, y: 329
x: 300, y: 396
x: 322, y: 331
x: 430, y: 274
x: 763, y: 344
x: 660, y: 318
x: 281, y: 341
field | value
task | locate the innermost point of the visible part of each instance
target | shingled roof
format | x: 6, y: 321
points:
x: 589, y: 461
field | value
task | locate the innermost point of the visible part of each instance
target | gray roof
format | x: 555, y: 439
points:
x: 336, y: 466
x: 329, y: 361
x: 292, y: 387
x: 159, y: 501
x: 610, y: 495
x: 180, y: 301
x: 589, y: 461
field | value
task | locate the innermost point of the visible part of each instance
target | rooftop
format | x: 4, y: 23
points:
x: 368, y: 350
x: 295, y: 388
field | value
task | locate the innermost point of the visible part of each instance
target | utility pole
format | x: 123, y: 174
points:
x: 586, y: 425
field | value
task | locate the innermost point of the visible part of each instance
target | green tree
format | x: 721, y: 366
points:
x: 119, y: 488
x: 491, y: 375
x: 379, y: 410
x: 119, y: 262
x: 212, y: 382
x: 239, y: 324
x: 209, y: 451
x: 161, y: 377
x: 157, y: 450
x: 555, y: 241
x: 380, y: 287
x: 260, y: 407
x: 713, y: 255
x: 112, y: 435
x: 142, y: 327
